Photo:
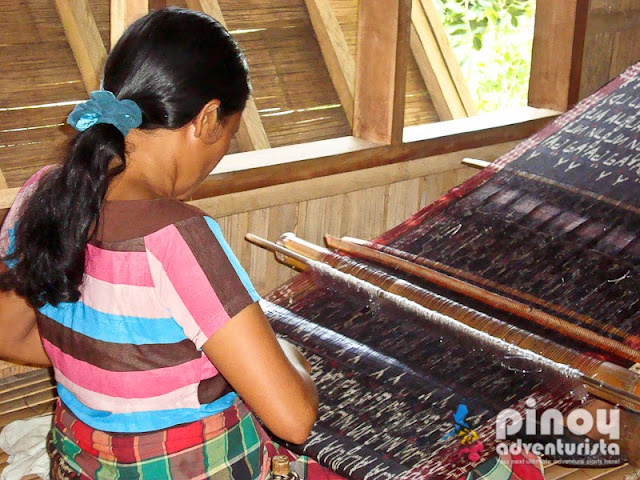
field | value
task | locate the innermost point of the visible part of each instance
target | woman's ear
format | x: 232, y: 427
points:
x: 208, y: 126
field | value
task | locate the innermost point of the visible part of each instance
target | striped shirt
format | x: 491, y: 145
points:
x: 159, y: 281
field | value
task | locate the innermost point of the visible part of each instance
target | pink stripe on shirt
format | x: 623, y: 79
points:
x: 183, y: 284
x: 185, y: 397
x: 139, y: 384
x: 129, y: 268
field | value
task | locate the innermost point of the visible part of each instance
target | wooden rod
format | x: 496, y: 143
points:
x: 509, y: 305
x: 606, y: 379
x: 441, y: 267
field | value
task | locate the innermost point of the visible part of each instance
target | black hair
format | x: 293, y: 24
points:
x: 171, y: 62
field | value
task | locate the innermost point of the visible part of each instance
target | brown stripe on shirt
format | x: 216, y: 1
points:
x: 131, y: 219
x: 116, y: 357
x: 215, y: 264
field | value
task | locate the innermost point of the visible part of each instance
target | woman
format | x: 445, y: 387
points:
x: 149, y: 321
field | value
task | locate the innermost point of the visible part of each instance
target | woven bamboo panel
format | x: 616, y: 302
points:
x: 292, y: 88
x: 291, y: 84
x: 611, y: 43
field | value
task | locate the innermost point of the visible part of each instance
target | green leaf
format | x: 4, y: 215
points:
x: 477, y: 42
x: 514, y: 21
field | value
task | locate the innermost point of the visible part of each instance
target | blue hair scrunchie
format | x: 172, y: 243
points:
x: 104, y: 107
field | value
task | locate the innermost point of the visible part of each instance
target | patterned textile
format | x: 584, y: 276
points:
x: 553, y: 223
x: 225, y: 446
x: 159, y: 280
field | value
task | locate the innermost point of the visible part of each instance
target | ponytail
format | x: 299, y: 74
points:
x: 60, y: 217
x: 164, y: 69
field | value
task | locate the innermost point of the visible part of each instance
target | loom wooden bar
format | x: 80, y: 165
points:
x: 335, y: 52
x: 476, y: 163
x: 84, y: 39
x: 382, y: 45
x: 123, y: 13
x: 556, y: 62
x: 251, y: 135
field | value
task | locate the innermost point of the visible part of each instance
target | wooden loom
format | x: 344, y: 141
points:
x: 386, y: 271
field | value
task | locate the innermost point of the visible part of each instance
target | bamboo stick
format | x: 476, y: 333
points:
x: 603, y: 379
x: 357, y: 247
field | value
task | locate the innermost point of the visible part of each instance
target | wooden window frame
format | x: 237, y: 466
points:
x: 554, y: 84
x: 558, y: 44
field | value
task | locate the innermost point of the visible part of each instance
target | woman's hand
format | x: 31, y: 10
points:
x: 271, y: 376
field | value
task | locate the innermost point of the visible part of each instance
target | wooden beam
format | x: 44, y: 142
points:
x: 343, y: 183
x: 309, y: 161
x: 123, y: 14
x: 157, y: 4
x: 453, y: 71
x: 558, y: 48
x: 251, y: 135
x: 335, y: 52
x: 381, y: 70
x: 247, y: 171
x: 84, y: 39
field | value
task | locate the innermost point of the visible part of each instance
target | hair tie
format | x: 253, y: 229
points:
x: 104, y: 107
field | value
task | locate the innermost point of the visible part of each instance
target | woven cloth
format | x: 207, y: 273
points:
x: 228, y: 445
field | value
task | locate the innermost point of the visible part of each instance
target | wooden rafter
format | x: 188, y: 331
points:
x: 381, y: 70
x: 430, y: 45
x: 123, y: 13
x: 251, y: 135
x: 335, y: 52
x: 438, y: 64
x: 84, y: 39
x: 556, y: 61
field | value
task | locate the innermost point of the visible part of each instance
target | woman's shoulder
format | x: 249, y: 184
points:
x: 130, y: 219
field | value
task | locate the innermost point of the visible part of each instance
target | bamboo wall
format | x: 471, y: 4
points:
x: 360, y: 204
x: 612, y: 42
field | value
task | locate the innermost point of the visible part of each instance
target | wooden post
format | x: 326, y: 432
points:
x: 123, y: 13
x: 157, y: 4
x: 335, y: 52
x: 381, y: 69
x: 251, y: 135
x: 84, y: 39
x: 558, y: 47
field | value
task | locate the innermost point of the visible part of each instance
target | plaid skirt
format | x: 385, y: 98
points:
x: 228, y: 445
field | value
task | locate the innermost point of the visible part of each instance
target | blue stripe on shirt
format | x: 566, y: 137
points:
x: 114, y: 328
x: 139, y: 422
x: 244, y: 278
